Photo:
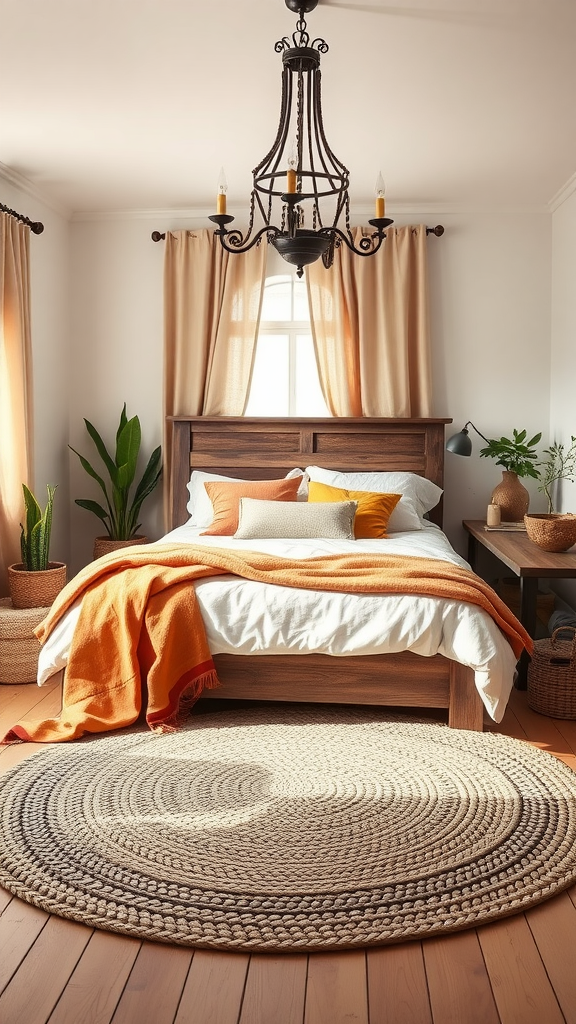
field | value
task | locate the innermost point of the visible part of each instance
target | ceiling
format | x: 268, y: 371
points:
x: 136, y: 104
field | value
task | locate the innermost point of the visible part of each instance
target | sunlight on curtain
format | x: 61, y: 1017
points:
x: 212, y: 302
x: 15, y: 386
x: 371, y: 327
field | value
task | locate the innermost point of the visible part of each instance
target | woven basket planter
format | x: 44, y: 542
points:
x: 550, y: 531
x: 552, y: 675
x: 103, y: 545
x: 35, y: 589
x: 19, y: 648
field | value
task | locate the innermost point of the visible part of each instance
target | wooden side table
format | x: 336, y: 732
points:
x: 19, y: 648
x: 529, y: 562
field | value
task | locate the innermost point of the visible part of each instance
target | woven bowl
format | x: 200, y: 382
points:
x: 551, y: 531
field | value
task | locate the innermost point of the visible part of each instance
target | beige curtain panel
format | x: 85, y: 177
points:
x: 370, y: 326
x: 15, y: 386
x: 212, y: 303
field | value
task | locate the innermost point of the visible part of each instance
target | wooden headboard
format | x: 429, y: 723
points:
x: 265, y: 448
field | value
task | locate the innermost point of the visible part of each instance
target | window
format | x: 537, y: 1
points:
x: 285, y: 375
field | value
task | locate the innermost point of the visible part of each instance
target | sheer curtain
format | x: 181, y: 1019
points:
x: 212, y: 302
x: 369, y: 320
x: 15, y: 386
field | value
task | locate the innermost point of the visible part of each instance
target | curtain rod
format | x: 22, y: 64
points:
x: 35, y: 226
x: 438, y: 231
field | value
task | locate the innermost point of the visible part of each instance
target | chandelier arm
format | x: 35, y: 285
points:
x: 234, y: 241
x: 369, y: 244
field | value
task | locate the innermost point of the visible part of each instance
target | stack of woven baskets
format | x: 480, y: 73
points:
x: 552, y: 675
x: 19, y: 647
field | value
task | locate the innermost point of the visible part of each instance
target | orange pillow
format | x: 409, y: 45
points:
x: 225, y: 498
x: 373, y: 512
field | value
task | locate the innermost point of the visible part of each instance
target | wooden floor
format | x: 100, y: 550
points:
x: 521, y: 970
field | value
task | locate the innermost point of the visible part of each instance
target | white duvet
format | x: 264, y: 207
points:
x: 244, y: 617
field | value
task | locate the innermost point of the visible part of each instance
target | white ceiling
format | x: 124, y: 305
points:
x: 136, y: 104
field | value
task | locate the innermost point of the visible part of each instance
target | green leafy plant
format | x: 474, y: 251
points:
x: 35, y: 532
x: 560, y: 464
x: 120, y: 517
x: 515, y: 454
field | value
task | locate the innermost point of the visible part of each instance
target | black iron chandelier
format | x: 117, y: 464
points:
x: 301, y: 182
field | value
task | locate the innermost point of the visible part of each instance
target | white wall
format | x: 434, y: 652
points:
x: 563, y: 349
x: 50, y: 307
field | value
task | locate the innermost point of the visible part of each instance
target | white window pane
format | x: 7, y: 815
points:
x: 277, y: 299
x: 301, y: 309
x: 270, y: 378
x: 309, y: 397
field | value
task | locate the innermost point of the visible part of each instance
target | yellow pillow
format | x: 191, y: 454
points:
x: 374, y: 510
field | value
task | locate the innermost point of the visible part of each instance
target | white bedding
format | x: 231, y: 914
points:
x: 243, y: 617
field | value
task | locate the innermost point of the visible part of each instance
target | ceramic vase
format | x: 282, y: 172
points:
x: 512, y: 497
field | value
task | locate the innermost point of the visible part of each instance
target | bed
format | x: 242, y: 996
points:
x: 245, y: 448
x: 286, y: 643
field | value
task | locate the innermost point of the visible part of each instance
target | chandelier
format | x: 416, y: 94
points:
x: 300, y: 183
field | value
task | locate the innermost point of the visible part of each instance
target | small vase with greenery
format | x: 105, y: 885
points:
x: 517, y: 456
x: 122, y: 511
x: 559, y: 464
x: 35, y: 581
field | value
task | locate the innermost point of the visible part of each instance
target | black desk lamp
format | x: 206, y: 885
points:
x: 460, y: 443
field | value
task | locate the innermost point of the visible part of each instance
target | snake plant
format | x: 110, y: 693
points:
x: 35, y: 532
x: 120, y: 516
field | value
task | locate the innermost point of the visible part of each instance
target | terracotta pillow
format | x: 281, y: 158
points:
x: 225, y: 498
x: 374, y: 510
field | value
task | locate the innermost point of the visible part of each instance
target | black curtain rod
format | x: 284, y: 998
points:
x: 35, y: 226
x: 438, y: 230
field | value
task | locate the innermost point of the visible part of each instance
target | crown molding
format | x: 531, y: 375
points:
x: 563, y: 194
x: 23, y: 184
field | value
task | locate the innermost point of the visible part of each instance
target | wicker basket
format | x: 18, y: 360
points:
x: 19, y: 648
x: 552, y: 675
x: 104, y: 545
x: 551, y: 531
x: 36, y: 589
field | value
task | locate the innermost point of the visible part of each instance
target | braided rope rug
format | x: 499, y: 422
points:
x: 281, y: 828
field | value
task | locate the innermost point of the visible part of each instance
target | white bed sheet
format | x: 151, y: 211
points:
x: 243, y: 617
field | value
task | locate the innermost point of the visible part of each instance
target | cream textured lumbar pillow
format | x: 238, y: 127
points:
x: 291, y: 519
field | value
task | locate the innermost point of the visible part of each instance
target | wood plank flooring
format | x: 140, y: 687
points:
x: 521, y: 970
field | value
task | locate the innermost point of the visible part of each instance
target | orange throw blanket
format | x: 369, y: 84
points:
x: 140, y: 625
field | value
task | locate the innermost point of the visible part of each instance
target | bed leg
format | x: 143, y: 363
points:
x: 466, y: 709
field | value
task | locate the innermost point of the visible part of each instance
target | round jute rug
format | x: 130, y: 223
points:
x: 289, y: 828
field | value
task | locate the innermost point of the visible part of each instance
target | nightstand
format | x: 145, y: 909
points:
x: 529, y: 562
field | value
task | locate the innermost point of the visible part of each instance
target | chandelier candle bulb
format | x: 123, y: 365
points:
x: 291, y: 180
x: 493, y: 514
x: 222, y: 189
x: 380, y: 196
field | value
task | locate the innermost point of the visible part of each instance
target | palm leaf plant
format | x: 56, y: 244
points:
x: 35, y: 531
x: 122, y: 508
x: 515, y: 454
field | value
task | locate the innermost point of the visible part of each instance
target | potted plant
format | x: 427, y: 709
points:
x: 121, y: 514
x: 517, y: 456
x: 35, y: 581
x: 551, y: 530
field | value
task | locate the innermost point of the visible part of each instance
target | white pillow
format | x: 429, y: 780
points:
x: 419, y: 495
x: 199, y: 505
x: 259, y: 518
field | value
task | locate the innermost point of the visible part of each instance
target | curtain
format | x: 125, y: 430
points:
x: 212, y: 302
x: 15, y: 386
x: 369, y: 320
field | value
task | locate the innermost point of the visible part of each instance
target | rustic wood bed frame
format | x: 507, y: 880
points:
x: 254, y: 448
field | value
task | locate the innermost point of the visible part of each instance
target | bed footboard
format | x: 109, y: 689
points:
x: 391, y: 680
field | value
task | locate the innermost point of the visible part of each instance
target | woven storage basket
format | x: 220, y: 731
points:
x: 19, y: 648
x: 552, y: 675
x: 36, y: 589
x: 550, y: 531
x: 103, y: 545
